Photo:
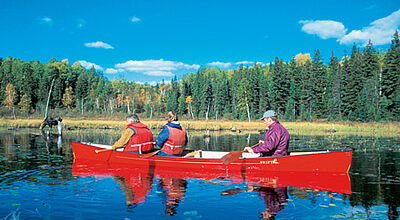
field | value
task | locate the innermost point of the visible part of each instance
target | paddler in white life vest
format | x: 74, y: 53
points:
x: 136, y: 137
x: 172, y: 139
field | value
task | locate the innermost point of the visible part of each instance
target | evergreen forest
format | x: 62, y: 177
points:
x: 361, y: 86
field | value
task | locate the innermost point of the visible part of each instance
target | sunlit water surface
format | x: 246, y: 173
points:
x: 37, y: 182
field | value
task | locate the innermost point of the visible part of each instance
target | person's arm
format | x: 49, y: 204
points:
x: 123, y: 141
x: 162, y: 137
x: 270, y: 143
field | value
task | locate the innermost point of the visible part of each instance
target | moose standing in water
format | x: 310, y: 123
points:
x: 49, y: 121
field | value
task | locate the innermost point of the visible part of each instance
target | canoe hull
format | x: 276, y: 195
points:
x: 327, y: 162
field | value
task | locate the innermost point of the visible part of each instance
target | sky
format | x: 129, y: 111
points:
x: 153, y: 41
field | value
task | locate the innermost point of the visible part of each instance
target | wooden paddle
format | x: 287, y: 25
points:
x: 234, y: 155
x: 191, y: 154
x: 231, y: 191
x: 103, y: 150
x: 149, y: 154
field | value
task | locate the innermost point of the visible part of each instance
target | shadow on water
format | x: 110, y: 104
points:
x: 45, y: 163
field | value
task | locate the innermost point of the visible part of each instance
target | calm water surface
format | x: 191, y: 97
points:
x: 37, y: 181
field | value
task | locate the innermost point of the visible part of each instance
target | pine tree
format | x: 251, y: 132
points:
x: 391, y: 73
x: 280, y: 85
x: 319, y: 77
x: 353, y: 82
x: 334, y: 88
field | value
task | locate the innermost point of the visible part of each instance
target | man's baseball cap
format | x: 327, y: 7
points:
x: 268, y: 114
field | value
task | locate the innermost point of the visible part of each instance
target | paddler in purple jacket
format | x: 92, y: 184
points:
x: 276, y: 142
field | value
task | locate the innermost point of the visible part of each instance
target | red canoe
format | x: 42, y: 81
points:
x: 210, y: 161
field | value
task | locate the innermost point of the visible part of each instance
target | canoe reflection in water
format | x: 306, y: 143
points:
x: 174, y: 190
x: 137, y: 182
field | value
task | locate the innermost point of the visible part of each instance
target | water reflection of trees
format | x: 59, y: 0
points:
x: 375, y: 175
x: 29, y: 155
x: 375, y: 181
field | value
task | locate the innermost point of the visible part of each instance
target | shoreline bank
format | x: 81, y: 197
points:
x: 300, y: 128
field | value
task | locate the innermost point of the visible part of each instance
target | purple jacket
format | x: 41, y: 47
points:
x: 276, y: 141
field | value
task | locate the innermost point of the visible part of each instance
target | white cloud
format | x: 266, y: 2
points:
x: 158, y: 73
x: 99, y: 44
x: 244, y: 63
x: 220, y: 64
x: 135, y: 19
x: 153, y: 83
x: 89, y: 65
x: 380, y: 32
x: 324, y: 28
x: 112, y: 71
x: 155, y: 67
x: 46, y: 20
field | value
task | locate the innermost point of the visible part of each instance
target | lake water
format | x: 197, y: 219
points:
x: 38, y: 180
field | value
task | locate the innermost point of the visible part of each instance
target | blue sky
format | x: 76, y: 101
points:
x: 150, y: 41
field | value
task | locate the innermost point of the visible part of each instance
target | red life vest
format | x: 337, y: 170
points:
x: 176, y: 141
x: 142, y: 140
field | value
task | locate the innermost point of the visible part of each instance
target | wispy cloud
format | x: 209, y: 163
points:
x: 155, y: 67
x: 47, y: 20
x: 99, y: 44
x: 113, y: 71
x: 80, y: 23
x: 135, y: 19
x: 324, y: 28
x: 380, y: 31
x: 220, y: 64
x: 244, y: 63
x: 231, y: 65
x: 153, y: 83
x: 158, y: 73
x: 88, y: 65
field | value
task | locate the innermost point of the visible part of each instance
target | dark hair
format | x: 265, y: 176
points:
x: 274, y: 118
x: 171, y: 116
x: 133, y: 117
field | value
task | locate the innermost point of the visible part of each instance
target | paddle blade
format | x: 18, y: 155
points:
x: 150, y: 154
x: 231, y: 191
x: 104, y: 150
x: 230, y: 157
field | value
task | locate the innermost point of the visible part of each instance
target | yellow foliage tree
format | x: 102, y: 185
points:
x: 119, y: 100
x: 24, y: 104
x: 11, y: 96
x: 68, y: 98
x: 301, y: 59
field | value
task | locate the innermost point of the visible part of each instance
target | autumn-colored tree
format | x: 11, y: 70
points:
x: 68, y: 98
x: 10, y: 96
x: 190, y: 108
x: 25, y: 103
x: 127, y: 102
x: 302, y: 59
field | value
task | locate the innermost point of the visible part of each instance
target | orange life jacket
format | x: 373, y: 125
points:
x: 176, y: 141
x: 142, y: 141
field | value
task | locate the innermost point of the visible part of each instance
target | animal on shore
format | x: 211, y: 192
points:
x: 49, y: 121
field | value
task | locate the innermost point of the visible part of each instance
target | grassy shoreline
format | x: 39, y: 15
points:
x: 298, y: 128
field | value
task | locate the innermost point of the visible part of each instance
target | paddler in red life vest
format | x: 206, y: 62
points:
x: 172, y: 139
x: 136, y: 137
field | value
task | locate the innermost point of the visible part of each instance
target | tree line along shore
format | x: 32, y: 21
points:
x: 362, y: 86
x: 390, y: 129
